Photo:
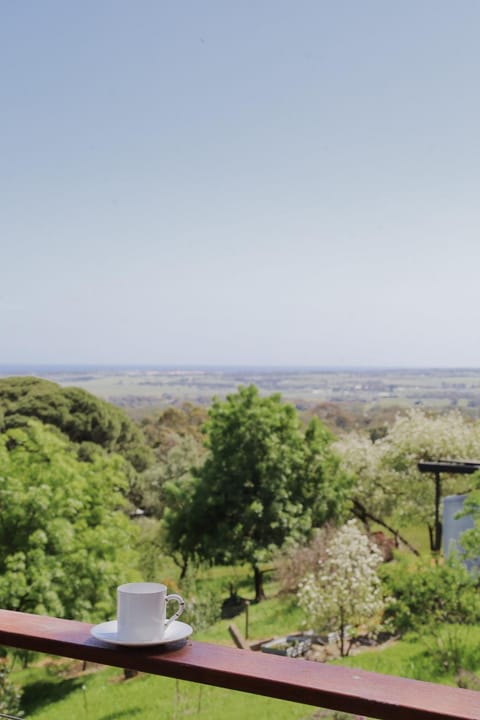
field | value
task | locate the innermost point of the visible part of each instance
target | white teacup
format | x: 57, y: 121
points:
x: 142, y: 612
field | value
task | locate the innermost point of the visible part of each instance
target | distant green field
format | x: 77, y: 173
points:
x: 151, y: 387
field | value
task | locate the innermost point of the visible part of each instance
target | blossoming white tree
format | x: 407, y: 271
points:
x: 345, y: 591
x: 388, y: 484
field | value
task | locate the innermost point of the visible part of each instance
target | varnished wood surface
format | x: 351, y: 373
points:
x: 350, y: 690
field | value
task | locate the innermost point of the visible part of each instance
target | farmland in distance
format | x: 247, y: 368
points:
x: 145, y: 387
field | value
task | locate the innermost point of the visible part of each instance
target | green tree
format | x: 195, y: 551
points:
x: 168, y: 491
x: 64, y: 539
x: 83, y: 417
x: 166, y: 487
x: 168, y: 428
x: 174, y: 470
x: 265, y: 480
x: 179, y: 526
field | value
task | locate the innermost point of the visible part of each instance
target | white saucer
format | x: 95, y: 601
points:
x: 107, y: 632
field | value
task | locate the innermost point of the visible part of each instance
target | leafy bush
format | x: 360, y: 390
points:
x: 429, y: 594
x: 296, y: 560
x: 10, y: 694
x: 453, y: 649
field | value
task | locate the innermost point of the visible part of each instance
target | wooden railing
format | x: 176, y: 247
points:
x: 354, y: 691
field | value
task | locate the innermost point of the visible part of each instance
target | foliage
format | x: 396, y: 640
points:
x: 451, y: 649
x: 167, y: 486
x: 180, y: 523
x: 164, y: 483
x: 171, y: 426
x: 427, y: 656
x: 202, y: 604
x: 333, y: 415
x: 149, y: 550
x: 148, y: 696
x: 387, y: 481
x: 346, y: 590
x: 63, y: 537
x: 296, y: 560
x: 81, y: 416
x: 426, y: 595
x: 10, y: 693
x: 265, y: 479
x: 470, y: 539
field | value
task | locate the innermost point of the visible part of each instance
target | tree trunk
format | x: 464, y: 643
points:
x: 342, y: 634
x: 184, y: 569
x: 258, y: 577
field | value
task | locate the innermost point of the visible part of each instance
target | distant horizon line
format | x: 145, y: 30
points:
x: 81, y: 367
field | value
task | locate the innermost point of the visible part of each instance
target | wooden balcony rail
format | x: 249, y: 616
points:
x: 338, y: 688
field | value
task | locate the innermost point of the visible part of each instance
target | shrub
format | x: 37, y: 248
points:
x: 429, y: 594
x: 453, y: 649
x: 10, y: 694
x: 297, y: 560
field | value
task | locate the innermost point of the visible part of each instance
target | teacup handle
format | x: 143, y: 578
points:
x: 181, y: 607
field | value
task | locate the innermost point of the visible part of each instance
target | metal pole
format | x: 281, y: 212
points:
x: 438, y: 525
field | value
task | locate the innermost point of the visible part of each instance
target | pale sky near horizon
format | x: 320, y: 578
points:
x: 251, y: 182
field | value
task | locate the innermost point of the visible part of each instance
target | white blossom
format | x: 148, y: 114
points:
x: 387, y: 480
x: 345, y: 590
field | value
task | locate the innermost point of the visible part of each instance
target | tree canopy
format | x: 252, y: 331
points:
x: 82, y: 417
x: 63, y: 537
x: 388, y: 484
x: 265, y: 479
x: 169, y: 427
x: 176, y: 436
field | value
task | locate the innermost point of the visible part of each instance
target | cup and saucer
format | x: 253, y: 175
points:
x: 141, y: 617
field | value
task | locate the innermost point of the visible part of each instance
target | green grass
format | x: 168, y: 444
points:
x: 417, y: 536
x: 433, y: 658
x: 105, y: 695
x: 276, y: 616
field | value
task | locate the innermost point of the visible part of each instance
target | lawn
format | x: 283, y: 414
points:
x: 435, y: 658
x: 53, y: 691
x: 105, y: 695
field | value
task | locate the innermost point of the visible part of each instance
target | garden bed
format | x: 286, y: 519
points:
x: 290, y: 645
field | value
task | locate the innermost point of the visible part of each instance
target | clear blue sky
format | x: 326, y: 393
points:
x: 253, y: 182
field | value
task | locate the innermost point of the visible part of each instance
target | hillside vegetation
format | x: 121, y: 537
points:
x: 246, y: 500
